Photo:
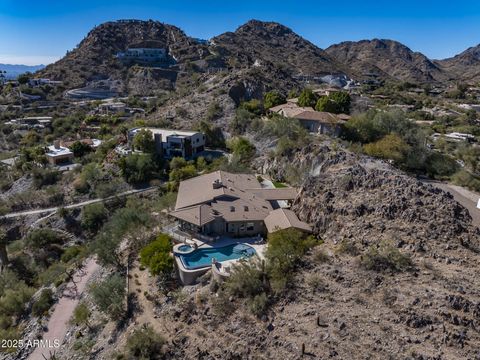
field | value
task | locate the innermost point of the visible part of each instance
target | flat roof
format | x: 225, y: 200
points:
x: 165, y: 132
x: 60, y: 151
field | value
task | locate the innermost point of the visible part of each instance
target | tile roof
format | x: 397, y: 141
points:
x: 280, y: 219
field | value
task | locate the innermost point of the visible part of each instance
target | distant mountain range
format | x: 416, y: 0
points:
x: 273, y: 52
x: 14, y: 70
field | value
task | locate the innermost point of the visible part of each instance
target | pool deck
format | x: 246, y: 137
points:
x: 189, y: 276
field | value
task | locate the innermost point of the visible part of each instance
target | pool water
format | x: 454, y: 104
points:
x: 185, y: 248
x: 203, y: 257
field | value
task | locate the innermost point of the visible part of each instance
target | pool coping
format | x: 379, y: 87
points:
x: 179, y: 255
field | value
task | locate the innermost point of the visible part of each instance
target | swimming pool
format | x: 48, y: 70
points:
x: 202, y: 257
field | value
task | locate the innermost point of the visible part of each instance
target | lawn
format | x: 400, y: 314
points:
x: 279, y: 184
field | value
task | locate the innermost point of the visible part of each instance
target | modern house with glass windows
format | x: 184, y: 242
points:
x: 174, y: 143
x: 233, y: 205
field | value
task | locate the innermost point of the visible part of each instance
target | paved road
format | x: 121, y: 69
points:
x: 58, y: 323
x: 72, y: 206
x: 465, y: 197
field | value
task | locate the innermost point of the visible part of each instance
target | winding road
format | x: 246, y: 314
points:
x: 72, y: 206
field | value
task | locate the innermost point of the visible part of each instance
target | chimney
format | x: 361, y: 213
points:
x: 217, y: 184
x: 56, y: 144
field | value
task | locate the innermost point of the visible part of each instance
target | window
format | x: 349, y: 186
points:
x: 250, y: 226
x: 231, y: 228
x: 242, y: 227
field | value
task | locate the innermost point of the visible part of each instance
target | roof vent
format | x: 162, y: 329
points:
x: 217, y: 184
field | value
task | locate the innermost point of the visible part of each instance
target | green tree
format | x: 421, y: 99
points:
x: 213, y: 134
x: 93, y: 216
x: 24, y: 78
x: 183, y: 173
x: 272, y: 98
x: 337, y: 103
x: 156, y: 256
x: 242, y: 149
x: 80, y: 149
x: 391, y: 147
x: 307, y: 98
x: 137, y: 168
x: 144, y: 141
x: 109, y: 296
x: 43, y: 303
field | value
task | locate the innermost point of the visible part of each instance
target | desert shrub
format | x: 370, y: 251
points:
x: 156, y: 255
x: 214, y: 111
x: 385, y: 256
x: 464, y: 178
x: 316, y: 283
x: 347, y: 247
x: 138, y: 168
x: 241, y: 122
x: 44, y: 177
x: 213, y: 134
x: 321, y: 257
x: 124, y: 221
x: 391, y: 147
x: 258, y: 305
x: 109, y: 296
x: 81, y: 314
x: 43, y: 238
x: 440, y: 166
x: 14, y: 299
x: 145, y: 343
x: 284, y: 250
x: 93, y: 216
x: 71, y: 253
x: 247, y: 279
x: 43, y: 303
x: 242, y: 149
x: 54, y: 274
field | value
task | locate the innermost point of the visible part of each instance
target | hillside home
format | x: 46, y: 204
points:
x: 143, y: 55
x: 233, y: 205
x: 318, y: 122
x: 32, y: 122
x: 58, y: 155
x: 174, y: 143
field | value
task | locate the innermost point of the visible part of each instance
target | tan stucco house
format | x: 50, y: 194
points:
x: 234, y: 205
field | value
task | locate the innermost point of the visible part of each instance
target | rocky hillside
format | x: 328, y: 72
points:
x: 94, y: 58
x: 387, y: 59
x: 359, y: 299
x: 464, y: 66
x: 275, y: 46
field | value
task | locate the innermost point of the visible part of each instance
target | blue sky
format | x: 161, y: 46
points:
x: 33, y: 32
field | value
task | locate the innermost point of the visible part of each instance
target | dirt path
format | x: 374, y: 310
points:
x: 142, y: 282
x: 58, y: 323
x: 465, y: 197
